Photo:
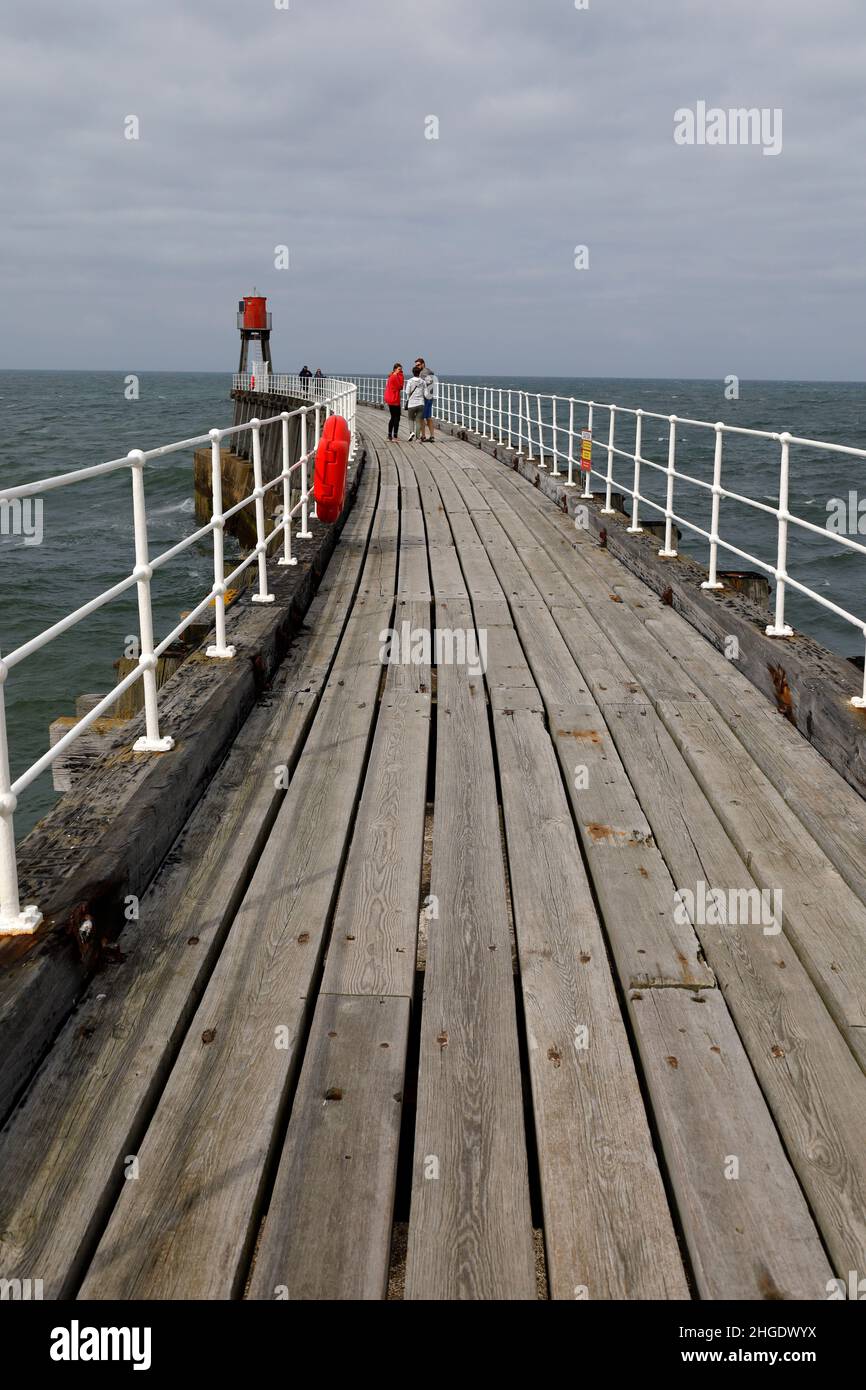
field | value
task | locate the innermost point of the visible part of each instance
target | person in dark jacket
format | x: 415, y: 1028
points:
x: 393, y: 397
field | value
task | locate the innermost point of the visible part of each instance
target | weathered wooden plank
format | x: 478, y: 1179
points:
x: 327, y: 1234
x: 823, y: 918
x: 812, y: 1083
x: 330, y: 1237
x: 832, y: 812
x: 414, y: 573
x: 448, y: 581
x: 470, y: 1228
x: 608, y: 1231
x: 652, y: 946
x: 748, y: 1228
x: 186, y: 1227
x: 372, y: 949
x: 598, y: 597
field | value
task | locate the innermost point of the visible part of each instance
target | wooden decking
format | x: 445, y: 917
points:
x: 440, y: 990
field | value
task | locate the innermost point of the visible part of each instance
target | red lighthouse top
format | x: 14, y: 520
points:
x: 253, y: 312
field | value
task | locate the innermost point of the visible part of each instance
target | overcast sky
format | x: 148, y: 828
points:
x: 261, y: 127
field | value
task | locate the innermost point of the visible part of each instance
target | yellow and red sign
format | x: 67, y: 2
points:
x: 586, y: 450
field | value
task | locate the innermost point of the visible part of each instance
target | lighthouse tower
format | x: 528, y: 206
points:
x: 254, y: 323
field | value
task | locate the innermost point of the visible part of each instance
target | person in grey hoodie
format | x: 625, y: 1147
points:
x: 415, y: 401
x: 431, y: 391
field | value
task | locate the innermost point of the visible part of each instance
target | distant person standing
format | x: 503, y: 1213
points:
x: 393, y: 397
x: 319, y: 380
x: 415, y: 402
x: 431, y: 392
x: 305, y: 376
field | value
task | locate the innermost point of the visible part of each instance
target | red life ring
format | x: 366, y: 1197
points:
x: 332, y: 462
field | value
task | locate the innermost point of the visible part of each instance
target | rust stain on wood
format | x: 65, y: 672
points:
x: 784, y: 699
x: 768, y: 1286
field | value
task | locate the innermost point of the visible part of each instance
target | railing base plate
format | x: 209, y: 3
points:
x: 24, y: 924
x: 152, y: 745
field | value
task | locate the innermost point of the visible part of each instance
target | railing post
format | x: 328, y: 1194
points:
x: 607, y: 509
x: 14, y: 920
x: 150, y: 742
x: 668, y: 552
x: 287, y: 558
x: 305, y: 534
x: 314, y: 512
x: 501, y: 434
x: 712, y: 582
x: 263, y: 596
x: 570, y: 482
x: 528, y: 428
x: 219, y: 649
x: 635, y: 529
x: 859, y: 701
x: 554, y: 406
x: 587, y: 477
x: 541, y: 462
x: 780, y: 628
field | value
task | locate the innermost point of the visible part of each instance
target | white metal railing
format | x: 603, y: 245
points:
x: 314, y: 388
x: 334, y: 397
x: 546, y: 428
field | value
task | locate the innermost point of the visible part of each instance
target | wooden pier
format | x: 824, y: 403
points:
x: 416, y: 972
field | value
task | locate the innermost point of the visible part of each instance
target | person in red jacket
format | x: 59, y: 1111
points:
x: 393, y: 397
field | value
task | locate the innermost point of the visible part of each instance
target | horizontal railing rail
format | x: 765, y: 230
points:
x: 558, y: 433
x: 310, y: 388
x: 333, y: 397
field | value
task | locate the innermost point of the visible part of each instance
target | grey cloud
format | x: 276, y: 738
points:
x: 261, y: 127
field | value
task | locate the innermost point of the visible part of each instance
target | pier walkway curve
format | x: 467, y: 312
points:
x: 535, y: 984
